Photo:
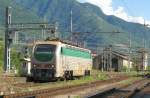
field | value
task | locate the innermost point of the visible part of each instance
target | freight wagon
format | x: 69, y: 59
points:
x: 56, y: 59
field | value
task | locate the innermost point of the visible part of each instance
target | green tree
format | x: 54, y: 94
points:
x: 135, y: 64
x: 148, y: 68
x: 16, y: 60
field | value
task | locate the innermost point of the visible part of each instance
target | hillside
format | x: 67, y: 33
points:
x: 86, y: 18
x: 19, y: 13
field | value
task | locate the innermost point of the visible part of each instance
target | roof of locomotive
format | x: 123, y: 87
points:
x: 56, y: 42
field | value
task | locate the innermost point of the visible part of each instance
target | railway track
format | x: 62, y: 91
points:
x: 139, y: 89
x: 142, y: 93
x: 64, y: 90
x: 46, y: 93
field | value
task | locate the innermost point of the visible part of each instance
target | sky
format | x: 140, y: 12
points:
x: 130, y: 10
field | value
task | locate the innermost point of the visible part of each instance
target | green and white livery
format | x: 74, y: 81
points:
x: 57, y: 59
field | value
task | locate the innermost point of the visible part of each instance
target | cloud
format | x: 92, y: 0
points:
x: 106, y: 6
x: 120, y: 12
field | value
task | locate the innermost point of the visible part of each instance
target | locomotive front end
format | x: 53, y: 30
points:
x: 43, y: 62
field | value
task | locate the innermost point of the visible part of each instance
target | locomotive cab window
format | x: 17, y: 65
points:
x: 45, y: 48
x: 44, y: 52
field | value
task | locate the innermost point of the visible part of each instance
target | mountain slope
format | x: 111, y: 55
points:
x: 86, y: 18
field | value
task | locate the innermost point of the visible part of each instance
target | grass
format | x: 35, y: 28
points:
x: 77, y: 97
x: 87, y: 79
x: 80, y: 81
x: 129, y: 81
x: 134, y: 73
x: 95, y: 76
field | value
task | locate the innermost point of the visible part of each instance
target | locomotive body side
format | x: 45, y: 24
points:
x: 74, y: 61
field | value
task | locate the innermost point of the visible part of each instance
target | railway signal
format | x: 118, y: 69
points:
x: 11, y: 28
x: 26, y: 52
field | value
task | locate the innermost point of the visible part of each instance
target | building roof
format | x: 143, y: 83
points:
x: 121, y: 55
x: 118, y: 54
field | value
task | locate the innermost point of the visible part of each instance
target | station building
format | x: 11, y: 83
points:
x: 112, y: 61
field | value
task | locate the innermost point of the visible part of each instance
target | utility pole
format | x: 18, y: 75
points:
x: 129, y: 56
x: 104, y: 59
x: 144, y: 40
x: 8, y: 40
x: 102, y: 62
x: 143, y: 56
x: 71, y: 27
x: 144, y: 51
x: 16, y: 37
x: 57, y: 35
x: 110, y: 57
x: 71, y: 21
x: 43, y: 31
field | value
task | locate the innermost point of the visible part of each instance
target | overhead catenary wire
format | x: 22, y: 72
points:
x: 144, y: 38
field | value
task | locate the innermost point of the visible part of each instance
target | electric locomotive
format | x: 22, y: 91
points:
x: 57, y: 59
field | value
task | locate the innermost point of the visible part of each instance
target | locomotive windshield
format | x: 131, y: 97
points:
x: 44, y: 52
x: 45, y: 48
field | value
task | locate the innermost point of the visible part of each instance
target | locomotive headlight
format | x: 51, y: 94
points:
x: 52, y: 66
x: 34, y: 65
